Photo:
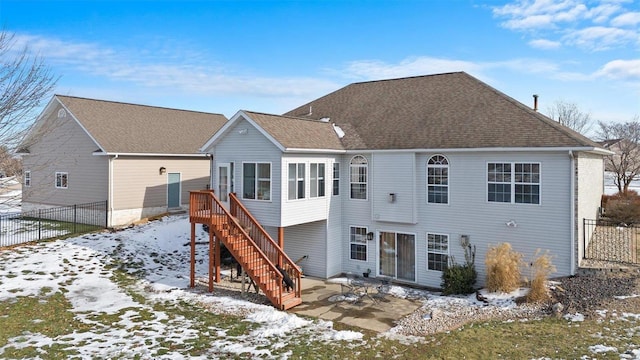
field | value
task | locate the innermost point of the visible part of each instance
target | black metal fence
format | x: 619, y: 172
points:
x: 611, y: 241
x: 49, y: 223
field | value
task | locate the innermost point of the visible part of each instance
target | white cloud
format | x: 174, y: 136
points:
x: 601, y: 38
x: 545, y: 44
x: 593, y: 26
x: 526, y: 15
x: 621, y: 70
x: 374, y: 69
x: 627, y: 19
x: 142, y: 68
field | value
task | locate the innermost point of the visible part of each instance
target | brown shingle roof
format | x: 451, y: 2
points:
x: 453, y: 110
x: 129, y: 128
x: 298, y: 133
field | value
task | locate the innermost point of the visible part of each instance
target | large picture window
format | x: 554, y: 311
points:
x: 62, y: 180
x: 438, y: 180
x: 296, y: 181
x: 358, y: 243
x: 256, y: 181
x: 358, y: 177
x: 517, y: 183
x: 316, y: 180
x: 437, y: 251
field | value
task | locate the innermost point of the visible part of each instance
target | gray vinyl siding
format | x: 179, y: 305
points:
x: 394, y: 173
x: 546, y: 226
x: 590, y: 184
x: 334, y: 224
x: 308, y: 239
x: 251, y: 146
x: 63, y: 146
x: 137, y: 182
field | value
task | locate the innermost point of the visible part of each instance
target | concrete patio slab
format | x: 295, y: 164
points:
x: 329, y: 300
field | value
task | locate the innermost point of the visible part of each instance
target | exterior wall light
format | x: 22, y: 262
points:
x: 163, y: 170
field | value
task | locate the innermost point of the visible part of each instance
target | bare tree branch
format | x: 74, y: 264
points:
x: 569, y: 115
x: 25, y: 82
x: 624, y: 140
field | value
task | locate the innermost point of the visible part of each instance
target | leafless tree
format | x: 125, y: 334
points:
x: 25, y: 82
x: 569, y: 115
x: 624, y: 140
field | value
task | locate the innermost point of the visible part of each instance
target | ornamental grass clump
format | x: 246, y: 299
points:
x: 541, y: 268
x: 503, y: 268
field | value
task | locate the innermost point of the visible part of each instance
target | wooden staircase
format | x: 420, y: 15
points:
x: 248, y: 242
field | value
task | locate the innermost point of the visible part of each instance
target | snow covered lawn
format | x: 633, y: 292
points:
x: 125, y: 295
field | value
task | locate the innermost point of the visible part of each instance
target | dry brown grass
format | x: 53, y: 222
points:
x: 503, y: 268
x: 541, y: 268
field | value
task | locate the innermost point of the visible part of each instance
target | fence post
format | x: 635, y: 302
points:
x: 39, y: 225
x: 106, y: 213
x: 584, y: 238
x: 75, y: 211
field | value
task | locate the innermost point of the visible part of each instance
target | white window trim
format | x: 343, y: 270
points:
x: 366, y: 166
x: 297, y: 164
x: 256, y: 180
x: 61, y: 173
x: 441, y: 253
x: 448, y: 180
x: 317, y: 180
x: 366, y: 245
x: 513, y: 183
x: 27, y: 176
x: 334, y: 179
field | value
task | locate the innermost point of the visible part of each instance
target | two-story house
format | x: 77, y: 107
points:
x: 394, y: 175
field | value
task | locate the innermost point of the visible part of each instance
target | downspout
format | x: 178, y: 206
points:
x: 111, y: 189
x: 573, y: 212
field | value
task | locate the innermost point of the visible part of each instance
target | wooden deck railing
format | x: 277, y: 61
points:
x: 247, y: 241
x: 265, y: 242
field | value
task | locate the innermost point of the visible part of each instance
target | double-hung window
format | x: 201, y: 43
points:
x: 27, y: 178
x: 256, y: 181
x: 358, y: 177
x: 62, y: 179
x: 438, y: 180
x: 296, y: 181
x: 437, y: 251
x: 316, y: 180
x: 358, y: 243
x: 336, y: 178
x: 513, y: 182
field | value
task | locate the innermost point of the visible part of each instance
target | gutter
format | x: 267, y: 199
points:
x: 111, y: 190
x: 573, y: 211
x: 100, y: 153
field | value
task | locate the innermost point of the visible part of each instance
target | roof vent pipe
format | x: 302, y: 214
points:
x: 535, y: 102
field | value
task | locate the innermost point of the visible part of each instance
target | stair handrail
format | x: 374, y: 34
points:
x: 234, y: 201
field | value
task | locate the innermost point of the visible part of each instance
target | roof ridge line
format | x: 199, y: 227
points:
x: 134, y: 104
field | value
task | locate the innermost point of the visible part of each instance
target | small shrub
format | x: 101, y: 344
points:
x: 541, y: 268
x: 503, y: 268
x: 460, y: 278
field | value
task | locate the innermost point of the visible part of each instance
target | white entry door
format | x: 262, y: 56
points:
x: 225, y: 181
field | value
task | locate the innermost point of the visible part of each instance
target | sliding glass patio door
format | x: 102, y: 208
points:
x: 397, y: 255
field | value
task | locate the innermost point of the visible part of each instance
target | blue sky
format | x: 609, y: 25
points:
x: 272, y: 56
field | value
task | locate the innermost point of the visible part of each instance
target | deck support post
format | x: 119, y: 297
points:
x: 211, y: 257
x: 280, y: 243
x: 217, y: 245
x: 192, y: 282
